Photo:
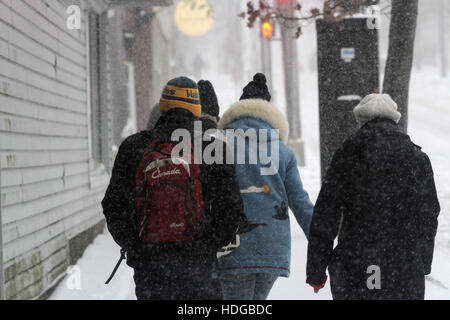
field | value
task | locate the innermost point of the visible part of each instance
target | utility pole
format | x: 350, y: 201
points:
x: 291, y: 81
x: 266, y: 52
x: 443, y: 38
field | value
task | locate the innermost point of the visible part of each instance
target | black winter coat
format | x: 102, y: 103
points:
x: 223, y: 203
x: 379, y: 196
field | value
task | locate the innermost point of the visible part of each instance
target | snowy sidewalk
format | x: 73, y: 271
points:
x: 100, y: 258
x: 429, y: 127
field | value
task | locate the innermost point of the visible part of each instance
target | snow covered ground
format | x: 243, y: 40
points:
x: 429, y: 127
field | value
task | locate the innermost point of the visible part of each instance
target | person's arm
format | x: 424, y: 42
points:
x: 428, y: 215
x: 298, y: 198
x: 223, y: 199
x: 118, y: 203
x: 226, y: 203
x: 326, y: 219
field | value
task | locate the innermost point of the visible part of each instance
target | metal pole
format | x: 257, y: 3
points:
x: 266, y: 59
x: 291, y: 82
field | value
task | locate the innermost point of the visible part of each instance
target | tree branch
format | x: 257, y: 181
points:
x: 333, y: 10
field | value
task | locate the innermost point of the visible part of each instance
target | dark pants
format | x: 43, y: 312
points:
x: 252, y: 286
x: 176, y: 282
x: 412, y: 288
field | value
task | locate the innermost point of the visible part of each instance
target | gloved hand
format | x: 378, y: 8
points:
x: 317, y: 287
x: 208, y: 98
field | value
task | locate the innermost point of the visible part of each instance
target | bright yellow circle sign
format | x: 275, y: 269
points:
x: 194, y: 17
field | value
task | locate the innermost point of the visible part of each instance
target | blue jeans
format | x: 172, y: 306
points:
x: 252, y: 286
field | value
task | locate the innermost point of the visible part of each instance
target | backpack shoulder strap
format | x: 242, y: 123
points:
x: 122, y: 257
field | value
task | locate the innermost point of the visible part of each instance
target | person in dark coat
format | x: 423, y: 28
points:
x: 379, y: 197
x: 171, y: 270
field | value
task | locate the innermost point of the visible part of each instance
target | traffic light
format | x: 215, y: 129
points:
x: 267, y: 29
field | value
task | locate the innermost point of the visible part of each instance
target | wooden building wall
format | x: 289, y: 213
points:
x: 50, y: 187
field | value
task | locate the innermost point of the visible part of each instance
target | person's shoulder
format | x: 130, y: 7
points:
x: 423, y: 157
x: 416, y: 149
x: 135, y: 139
x: 420, y: 157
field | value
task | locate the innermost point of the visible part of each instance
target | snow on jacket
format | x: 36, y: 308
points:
x: 224, y: 209
x: 382, y: 186
x: 267, y: 248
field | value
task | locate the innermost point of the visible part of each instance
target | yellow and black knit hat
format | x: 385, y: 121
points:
x: 182, y: 93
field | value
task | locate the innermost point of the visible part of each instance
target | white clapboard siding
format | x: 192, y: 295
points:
x: 39, y: 80
x: 56, y: 29
x: 53, y: 13
x: 26, y: 92
x: 39, y: 88
x: 20, y: 211
x: 19, y: 141
x: 17, y: 229
x: 27, y: 109
x: 37, y: 49
x: 50, y: 279
x: 26, y: 265
x: 11, y: 123
x: 39, y: 276
x: 26, y: 261
x: 28, y: 242
x: 48, y: 194
x: 35, y: 32
x: 37, y: 38
x: 39, y: 65
x: 14, y: 177
x: 11, y: 178
x: 22, y: 159
x: 42, y: 82
x: 28, y: 192
x: 71, y: 169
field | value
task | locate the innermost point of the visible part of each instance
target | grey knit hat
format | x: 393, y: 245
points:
x: 376, y: 106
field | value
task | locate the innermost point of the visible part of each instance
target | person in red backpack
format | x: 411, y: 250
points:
x: 155, y: 207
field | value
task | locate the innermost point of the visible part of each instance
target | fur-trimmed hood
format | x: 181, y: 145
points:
x: 259, y: 109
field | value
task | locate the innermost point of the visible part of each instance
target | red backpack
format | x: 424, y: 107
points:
x: 169, y: 202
